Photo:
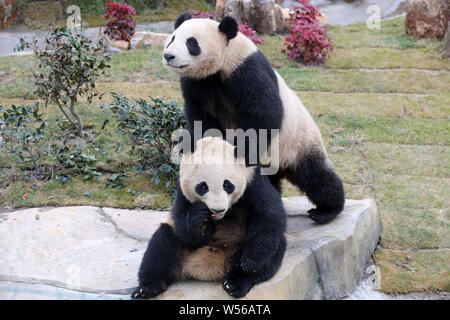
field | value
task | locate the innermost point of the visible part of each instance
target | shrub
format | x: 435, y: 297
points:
x: 69, y: 65
x: 122, y: 26
x: 74, y: 160
x: 197, y: 14
x: 21, y: 131
x: 150, y: 125
x: 307, y: 41
x: 250, y: 33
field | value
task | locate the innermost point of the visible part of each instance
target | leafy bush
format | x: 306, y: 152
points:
x: 73, y: 160
x: 116, y: 181
x: 122, y: 26
x: 307, y: 41
x: 197, y: 14
x: 21, y: 131
x: 150, y: 125
x: 69, y: 65
x: 250, y: 33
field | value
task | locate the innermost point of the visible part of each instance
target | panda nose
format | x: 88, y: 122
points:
x: 217, y: 210
x: 168, y: 56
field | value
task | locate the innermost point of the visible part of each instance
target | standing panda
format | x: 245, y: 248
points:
x: 227, y: 223
x: 227, y: 83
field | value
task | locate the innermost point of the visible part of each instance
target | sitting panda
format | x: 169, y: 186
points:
x: 227, y: 83
x: 227, y: 223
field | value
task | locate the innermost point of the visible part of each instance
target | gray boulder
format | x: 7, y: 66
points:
x: 94, y: 253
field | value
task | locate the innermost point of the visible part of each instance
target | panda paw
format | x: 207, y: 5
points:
x: 252, y: 266
x: 236, y: 284
x: 200, y: 220
x: 322, y: 217
x: 145, y: 292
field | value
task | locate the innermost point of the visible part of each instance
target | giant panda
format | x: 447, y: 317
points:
x: 227, y: 223
x: 227, y: 83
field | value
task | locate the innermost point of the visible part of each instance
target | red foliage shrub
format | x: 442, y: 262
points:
x: 201, y: 15
x: 307, y: 41
x: 250, y: 33
x: 122, y: 26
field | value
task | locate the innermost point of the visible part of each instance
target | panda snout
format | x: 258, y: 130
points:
x: 168, y: 57
x: 217, y: 210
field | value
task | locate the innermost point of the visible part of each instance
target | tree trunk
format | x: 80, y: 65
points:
x: 446, y: 50
x: 78, y: 118
x: 160, y: 4
x: 63, y: 6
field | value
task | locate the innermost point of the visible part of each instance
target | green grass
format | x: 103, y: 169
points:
x: 382, y: 102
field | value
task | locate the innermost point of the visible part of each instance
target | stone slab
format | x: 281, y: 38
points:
x: 94, y: 253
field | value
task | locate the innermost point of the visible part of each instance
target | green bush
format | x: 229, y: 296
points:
x: 149, y: 126
x: 75, y: 160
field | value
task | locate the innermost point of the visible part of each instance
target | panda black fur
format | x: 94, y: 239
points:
x: 229, y: 84
x: 227, y: 223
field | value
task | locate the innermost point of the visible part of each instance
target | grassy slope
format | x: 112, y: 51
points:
x: 382, y: 102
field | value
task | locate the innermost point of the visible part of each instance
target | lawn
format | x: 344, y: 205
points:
x: 382, y: 102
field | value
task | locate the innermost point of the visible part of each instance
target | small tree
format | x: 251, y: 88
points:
x: 69, y: 65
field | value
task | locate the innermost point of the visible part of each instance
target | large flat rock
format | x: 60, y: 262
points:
x: 94, y: 253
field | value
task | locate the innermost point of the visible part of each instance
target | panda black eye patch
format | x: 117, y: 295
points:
x: 201, y: 188
x: 193, y: 47
x: 173, y: 38
x: 228, y: 187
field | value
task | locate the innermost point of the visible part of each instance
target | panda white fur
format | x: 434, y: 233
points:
x: 209, y: 236
x: 227, y: 83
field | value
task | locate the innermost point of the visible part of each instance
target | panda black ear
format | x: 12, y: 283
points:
x: 229, y: 27
x: 182, y: 18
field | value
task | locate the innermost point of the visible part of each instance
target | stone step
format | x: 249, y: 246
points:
x: 94, y: 253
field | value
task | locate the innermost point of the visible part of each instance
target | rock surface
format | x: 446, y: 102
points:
x: 8, y: 13
x: 120, y: 44
x: 426, y: 18
x: 264, y: 16
x: 94, y: 253
x: 147, y: 39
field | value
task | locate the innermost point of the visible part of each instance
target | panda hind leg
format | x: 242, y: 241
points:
x: 161, y: 263
x: 315, y: 176
x: 237, y: 283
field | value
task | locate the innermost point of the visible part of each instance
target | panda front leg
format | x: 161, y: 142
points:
x: 238, y: 283
x: 161, y: 263
x: 193, y: 223
x: 315, y: 176
x: 265, y: 223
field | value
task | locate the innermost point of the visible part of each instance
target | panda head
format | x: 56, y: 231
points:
x: 201, y: 47
x: 214, y: 176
